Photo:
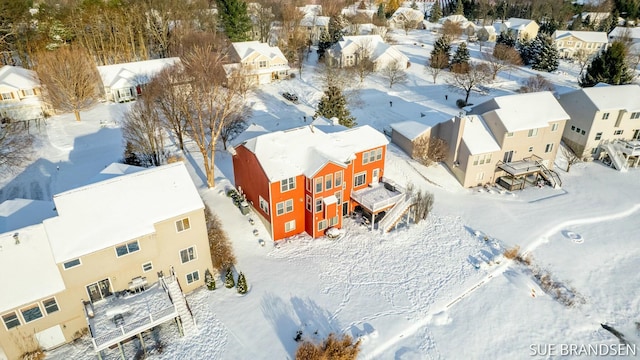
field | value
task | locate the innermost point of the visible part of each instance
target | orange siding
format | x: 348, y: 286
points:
x: 296, y: 196
x: 329, y: 170
x: 357, y: 167
x: 250, y: 177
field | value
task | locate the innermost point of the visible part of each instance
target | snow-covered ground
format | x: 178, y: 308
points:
x: 438, y: 289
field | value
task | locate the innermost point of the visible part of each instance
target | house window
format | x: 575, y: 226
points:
x: 284, y: 207
x: 308, y: 183
x: 533, y: 132
x: 635, y: 115
x: 31, y: 313
x: 594, y: 151
x: 582, y: 132
x: 262, y: 64
x: 11, y: 320
x: 605, y: 116
x: 365, y: 158
x: 290, y: 226
x: 287, y: 184
x: 309, y: 202
x: 333, y: 221
x: 318, y: 205
x: 509, y: 134
x: 598, y: 136
x: 322, y: 224
x: 182, y: 224
x: 50, y: 305
x: 328, y: 182
x: 573, y: 127
x: 338, y: 179
x: 127, y: 248
x: 480, y: 176
x: 530, y: 148
x: 548, y: 148
x: 147, y: 266
x: 617, y: 132
x: 379, y: 154
x: 28, y: 92
x: 338, y: 196
x: 319, y: 185
x: 71, y: 263
x: 187, y: 255
x: 193, y: 277
x: 360, y: 179
x: 482, y: 159
x: 264, y: 205
x: 372, y: 156
x: 554, y: 127
x: 7, y: 96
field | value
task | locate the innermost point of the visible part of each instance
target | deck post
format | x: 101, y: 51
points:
x: 144, y: 348
x: 121, y: 350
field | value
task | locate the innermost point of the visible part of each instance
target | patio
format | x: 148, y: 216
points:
x: 118, y: 318
x: 378, y: 197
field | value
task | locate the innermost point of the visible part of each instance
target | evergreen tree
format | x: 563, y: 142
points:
x: 436, y: 12
x: 526, y: 49
x: 549, y: 26
x: 242, y: 284
x: 209, y: 280
x: 334, y: 104
x: 235, y: 19
x: 506, y: 38
x: 546, y: 57
x: 442, y: 45
x: 330, y: 37
x: 608, y: 67
x: 461, y: 56
x: 380, y: 12
x: 228, y: 279
x: 459, y: 8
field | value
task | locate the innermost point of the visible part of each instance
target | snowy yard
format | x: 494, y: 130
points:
x: 436, y: 290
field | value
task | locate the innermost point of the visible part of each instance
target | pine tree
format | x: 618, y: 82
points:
x: 334, y: 104
x: 228, y: 279
x: 242, y: 284
x: 380, y: 12
x: 443, y: 46
x: 235, y: 19
x: 461, y: 55
x: 459, y: 8
x: 608, y: 67
x: 546, y: 57
x: 330, y: 37
x: 436, y: 12
x: 209, y: 280
x: 526, y: 49
x: 506, y: 38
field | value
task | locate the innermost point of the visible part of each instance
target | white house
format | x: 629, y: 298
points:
x: 263, y: 63
x: 405, y: 15
x: 569, y: 42
x: 519, y: 28
x: 348, y: 51
x: 126, y: 81
x: 20, y: 94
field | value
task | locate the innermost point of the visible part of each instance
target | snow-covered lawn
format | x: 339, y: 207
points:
x: 438, y: 289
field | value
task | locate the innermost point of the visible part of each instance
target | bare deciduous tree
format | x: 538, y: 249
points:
x: 364, y: 65
x: 570, y: 156
x: 169, y: 91
x: 582, y: 58
x: 211, y: 104
x: 535, y: 84
x: 409, y: 25
x: 429, y: 150
x: 452, y: 30
x: 142, y: 131
x: 438, y: 62
x: 478, y: 74
x: 220, y: 248
x: 503, y: 57
x: 16, y: 144
x: 394, y: 73
x: 69, y: 79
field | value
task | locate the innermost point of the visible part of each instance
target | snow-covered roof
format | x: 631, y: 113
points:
x: 113, y: 170
x: 375, y: 43
x: 517, y: 23
x: 410, y: 129
x: 17, y: 77
x: 246, y: 48
x: 523, y: 111
x: 19, y: 213
x: 101, y: 215
x: 250, y: 132
x: 408, y: 13
x: 124, y: 75
x: 313, y: 20
x: 594, y: 16
x: 305, y: 150
x: 477, y: 136
x: 311, y: 10
x: 29, y: 272
x: 328, y: 126
x: 619, y: 31
x: 614, y: 97
x: 586, y: 36
x: 454, y: 19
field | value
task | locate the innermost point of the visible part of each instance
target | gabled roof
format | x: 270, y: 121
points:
x: 19, y: 213
x: 616, y: 97
x: 376, y: 44
x: 477, y: 136
x: 454, y: 18
x: 18, y: 77
x: 586, y: 36
x: 29, y: 272
x: 595, y: 16
x: 523, y: 111
x: 408, y: 13
x: 518, y: 23
x: 618, y: 31
x: 132, y: 203
x: 305, y: 150
x: 410, y: 129
x: 313, y: 20
x: 247, y: 48
x: 133, y: 73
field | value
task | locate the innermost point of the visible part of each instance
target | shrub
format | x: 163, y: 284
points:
x: 460, y: 103
x: 423, y: 204
x: 209, y: 280
x: 512, y: 253
x: 332, y: 347
x: 242, y: 284
x: 228, y: 279
x: 220, y: 248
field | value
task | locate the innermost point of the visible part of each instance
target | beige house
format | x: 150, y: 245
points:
x: 509, y: 140
x: 570, y: 42
x: 519, y: 28
x: 126, y: 81
x: 351, y: 49
x: 605, y: 122
x: 404, y: 16
x: 259, y: 62
x: 20, y: 94
x: 82, y: 257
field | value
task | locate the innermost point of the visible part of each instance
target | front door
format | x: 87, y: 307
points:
x: 99, y: 290
x: 345, y: 208
x: 375, y: 176
x: 507, y: 156
x: 636, y: 134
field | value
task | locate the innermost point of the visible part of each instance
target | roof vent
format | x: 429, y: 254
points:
x: 17, y: 238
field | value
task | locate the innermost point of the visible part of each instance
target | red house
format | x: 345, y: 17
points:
x: 306, y: 180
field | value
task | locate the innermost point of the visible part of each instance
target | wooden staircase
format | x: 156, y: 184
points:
x: 182, y: 307
x: 393, y: 216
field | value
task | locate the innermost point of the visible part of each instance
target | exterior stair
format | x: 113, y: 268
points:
x: 182, y: 307
x: 393, y: 216
x: 617, y: 158
x: 551, y: 176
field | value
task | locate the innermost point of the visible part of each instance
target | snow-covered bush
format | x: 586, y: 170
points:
x: 242, y: 284
x: 331, y: 348
x: 209, y: 280
x: 228, y: 279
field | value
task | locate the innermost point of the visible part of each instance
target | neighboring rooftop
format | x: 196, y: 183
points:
x: 19, y: 213
x: 133, y: 202
x: 246, y: 48
x: 614, y: 97
x: 306, y: 149
x: 17, y: 77
x: 478, y: 137
x: 133, y: 73
x: 586, y: 36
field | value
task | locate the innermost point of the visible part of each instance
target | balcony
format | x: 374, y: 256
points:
x: 378, y: 196
x: 118, y: 318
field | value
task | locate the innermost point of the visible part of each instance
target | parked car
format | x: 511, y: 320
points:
x: 291, y: 97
